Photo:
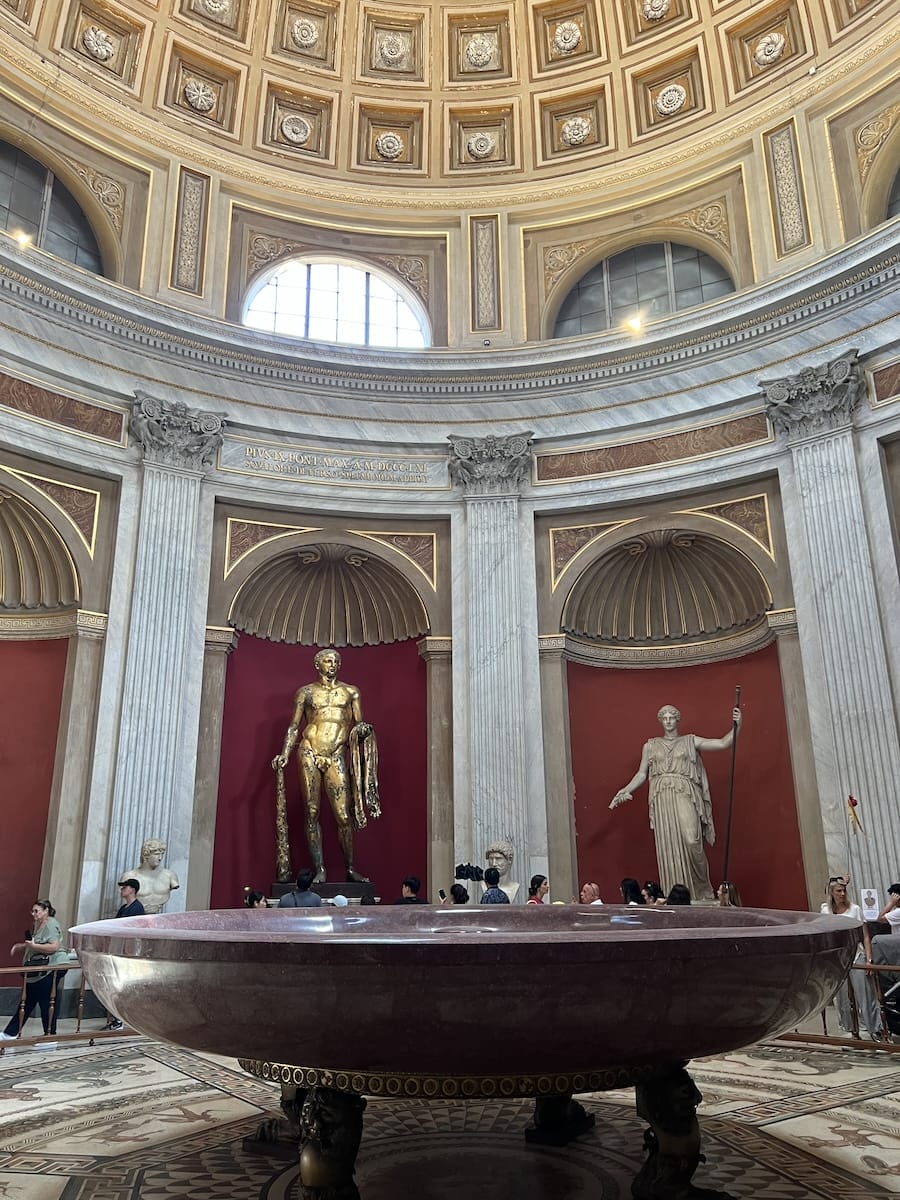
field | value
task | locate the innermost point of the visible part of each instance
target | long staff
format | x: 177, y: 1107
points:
x: 282, y: 846
x: 737, y: 704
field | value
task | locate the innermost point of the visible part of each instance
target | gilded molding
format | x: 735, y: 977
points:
x: 558, y: 259
x: 221, y: 639
x: 411, y: 268
x: 749, y: 514
x: 264, y: 250
x: 419, y: 549
x: 872, y: 136
x: 705, y: 650
x: 33, y: 626
x: 708, y: 219
x: 110, y: 193
x: 242, y: 537
x: 551, y: 643
x: 782, y: 621
x: 568, y: 542
x: 79, y: 505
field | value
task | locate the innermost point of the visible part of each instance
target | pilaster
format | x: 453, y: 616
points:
x: 153, y: 791
x: 437, y: 653
x: 840, y: 620
x: 559, y: 784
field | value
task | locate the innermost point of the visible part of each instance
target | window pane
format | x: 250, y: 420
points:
x: 687, y: 274
x: 651, y: 256
x: 893, y: 208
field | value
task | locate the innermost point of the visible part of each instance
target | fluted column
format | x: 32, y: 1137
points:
x: 219, y: 644
x: 560, y: 785
x: 853, y: 722
x: 490, y: 472
x: 153, y: 793
x: 437, y: 654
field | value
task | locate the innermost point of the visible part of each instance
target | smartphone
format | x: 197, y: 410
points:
x: 442, y: 893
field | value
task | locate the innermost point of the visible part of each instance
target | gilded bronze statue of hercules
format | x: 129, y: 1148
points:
x: 330, y: 716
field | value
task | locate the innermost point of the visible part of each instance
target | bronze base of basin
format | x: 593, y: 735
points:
x: 323, y: 1119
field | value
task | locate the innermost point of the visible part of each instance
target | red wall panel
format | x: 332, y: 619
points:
x: 31, y: 684
x: 262, y: 678
x: 613, y: 712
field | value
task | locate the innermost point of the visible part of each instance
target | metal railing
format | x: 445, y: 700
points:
x: 884, y: 991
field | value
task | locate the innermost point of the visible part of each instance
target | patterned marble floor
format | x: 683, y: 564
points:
x: 136, y: 1120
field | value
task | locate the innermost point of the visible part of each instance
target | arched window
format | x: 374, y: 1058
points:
x: 643, y: 282
x: 893, y: 208
x: 336, y: 302
x: 35, y: 205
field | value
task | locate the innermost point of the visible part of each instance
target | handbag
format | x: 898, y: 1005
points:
x: 38, y: 960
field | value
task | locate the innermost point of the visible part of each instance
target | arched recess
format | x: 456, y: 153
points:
x: 605, y: 248
x: 880, y: 178
x: 98, y: 217
x: 43, y: 556
x: 684, y: 597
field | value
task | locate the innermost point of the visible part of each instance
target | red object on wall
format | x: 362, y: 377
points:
x: 262, y: 678
x: 613, y: 713
x: 31, y: 685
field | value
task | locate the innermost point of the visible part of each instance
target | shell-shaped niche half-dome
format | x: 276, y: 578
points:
x: 329, y: 595
x: 36, y: 569
x: 667, y: 586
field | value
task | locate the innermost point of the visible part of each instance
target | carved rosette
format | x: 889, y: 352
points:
x: 670, y: 100
x: 818, y: 399
x: 491, y: 465
x: 172, y: 434
x: 769, y: 49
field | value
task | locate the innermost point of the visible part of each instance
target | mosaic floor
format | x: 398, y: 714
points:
x: 136, y: 1120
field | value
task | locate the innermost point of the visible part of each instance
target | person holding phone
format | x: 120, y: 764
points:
x: 43, y: 946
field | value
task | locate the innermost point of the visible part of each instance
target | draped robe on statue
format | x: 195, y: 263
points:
x: 680, y: 814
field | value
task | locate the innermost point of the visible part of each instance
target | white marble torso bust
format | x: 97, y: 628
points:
x: 157, y: 882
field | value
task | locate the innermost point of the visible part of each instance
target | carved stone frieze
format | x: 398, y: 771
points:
x: 558, y: 259
x: 485, y: 273
x: 190, y: 231
x: 490, y: 465
x: 110, y: 194
x: 872, y: 136
x: 410, y: 267
x: 264, y: 250
x: 782, y: 157
x: 93, y: 420
x: 172, y: 434
x: 816, y: 399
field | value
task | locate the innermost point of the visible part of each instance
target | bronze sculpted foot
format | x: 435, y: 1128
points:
x: 558, y: 1120
x: 330, y: 1133
x: 278, y: 1136
x: 668, y: 1101
x: 356, y: 876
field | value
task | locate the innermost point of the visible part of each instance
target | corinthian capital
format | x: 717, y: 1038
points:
x: 169, y: 432
x: 817, y: 399
x: 490, y: 465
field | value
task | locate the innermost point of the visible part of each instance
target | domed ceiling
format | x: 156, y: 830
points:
x: 429, y: 95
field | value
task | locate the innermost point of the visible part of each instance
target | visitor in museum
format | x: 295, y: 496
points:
x: 255, y: 900
x: 459, y: 894
x: 891, y: 910
x: 537, y: 889
x: 590, y: 893
x: 409, y: 891
x: 493, y: 894
x: 885, y: 947
x: 728, y: 895
x: 631, y: 892
x: 679, y: 894
x: 864, y: 994
x: 302, y: 896
x: 128, y: 892
x: 44, y: 947
x: 653, y: 893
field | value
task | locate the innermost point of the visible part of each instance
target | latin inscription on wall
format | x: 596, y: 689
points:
x: 313, y: 465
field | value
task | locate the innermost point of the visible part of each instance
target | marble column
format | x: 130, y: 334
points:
x: 157, y: 739
x: 783, y: 623
x: 852, y: 718
x: 220, y: 641
x: 560, y: 785
x: 437, y: 653
x: 490, y: 471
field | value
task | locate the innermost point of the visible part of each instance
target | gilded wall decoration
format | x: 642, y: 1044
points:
x: 558, y: 259
x: 307, y: 30
x: 568, y: 541
x: 669, y: 91
x: 886, y: 383
x: 565, y: 32
x: 481, y: 138
x: 651, y: 20
x: 418, y: 548
x: 242, y: 537
x: 107, y: 40
x: 81, y: 506
x: 204, y: 89
x: 485, y: 267
x: 761, y: 40
x: 392, y: 47
x: 264, y: 250
x: 709, y: 219
x: 298, y: 122
x: 39, y: 571
x: 189, y: 249
x: 700, y: 442
x: 749, y: 514
x: 411, y: 268
x: 390, y: 137
x: 22, y: 10
x: 479, y: 47
x: 786, y: 189
x: 108, y: 424
x: 109, y: 193
x: 870, y: 138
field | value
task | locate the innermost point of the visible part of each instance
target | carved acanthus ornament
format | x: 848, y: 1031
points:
x: 409, y: 267
x: 818, y: 399
x: 710, y: 219
x: 109, y: 193
x: 264, y: 250
x: 872, y: 136
x: 172, y: 434
x: 491, y: 465
x: 557, y: 259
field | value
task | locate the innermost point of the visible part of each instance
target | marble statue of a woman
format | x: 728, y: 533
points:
x: 680, y: 809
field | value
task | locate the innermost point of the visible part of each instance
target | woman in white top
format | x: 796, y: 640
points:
x: 839, y: 904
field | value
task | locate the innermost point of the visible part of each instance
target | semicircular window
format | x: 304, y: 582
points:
x: 893, y: 207
x: 34, y: 205
x: 643, y: 282
x: 336, y: 302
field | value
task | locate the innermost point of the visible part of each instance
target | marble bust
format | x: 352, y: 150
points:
x: 157, y: 882
x: 500, y: 855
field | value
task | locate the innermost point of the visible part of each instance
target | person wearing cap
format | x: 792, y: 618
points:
x: 130, y: 906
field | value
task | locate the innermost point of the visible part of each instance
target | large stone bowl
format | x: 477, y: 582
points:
x: 479, y: 991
